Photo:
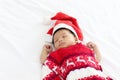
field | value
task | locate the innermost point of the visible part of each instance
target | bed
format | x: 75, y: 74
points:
x: 23, y: 27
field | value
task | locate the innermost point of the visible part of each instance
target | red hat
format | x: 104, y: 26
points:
x: 66, y: 21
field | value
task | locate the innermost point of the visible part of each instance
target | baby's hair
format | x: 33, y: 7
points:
x: 62, y: 29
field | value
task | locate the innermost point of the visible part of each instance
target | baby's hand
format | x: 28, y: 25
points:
x: 47, y: 48
x: 94, y: 47
x: 91, y: 45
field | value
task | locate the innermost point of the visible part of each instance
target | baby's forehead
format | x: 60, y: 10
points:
x: 61, y: 32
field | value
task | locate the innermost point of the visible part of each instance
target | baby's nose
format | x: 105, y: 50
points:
x: 60, y: 40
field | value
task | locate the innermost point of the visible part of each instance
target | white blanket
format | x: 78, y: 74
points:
x: 23, y: 26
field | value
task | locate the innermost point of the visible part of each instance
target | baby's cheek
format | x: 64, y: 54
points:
x: 56, y: 45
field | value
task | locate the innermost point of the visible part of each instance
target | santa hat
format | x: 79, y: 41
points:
x: 65, y: 21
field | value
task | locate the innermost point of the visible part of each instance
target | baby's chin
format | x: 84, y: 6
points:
x: 61, y: 47
x: 64, y: 46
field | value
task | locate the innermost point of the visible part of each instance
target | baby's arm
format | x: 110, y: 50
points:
x: 94, y: 47
x: 45, y: 51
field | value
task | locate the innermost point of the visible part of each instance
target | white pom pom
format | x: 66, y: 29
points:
x: 46, y: 20
x: 48, y: 38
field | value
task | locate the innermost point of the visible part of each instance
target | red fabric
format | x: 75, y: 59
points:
x: 78, y: 49
x: 52, y: 76
x: 61, y: 62
x: 95, y: 77
x: 62, y: 59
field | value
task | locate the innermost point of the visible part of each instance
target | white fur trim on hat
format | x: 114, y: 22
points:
x: 62, y: 25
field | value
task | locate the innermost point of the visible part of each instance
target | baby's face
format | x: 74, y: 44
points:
x: 64, y: 38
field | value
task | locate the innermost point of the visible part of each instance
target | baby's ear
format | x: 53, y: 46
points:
x: 76, y: 39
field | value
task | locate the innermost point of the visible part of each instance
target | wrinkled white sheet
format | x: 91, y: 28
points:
x: 23, y: 27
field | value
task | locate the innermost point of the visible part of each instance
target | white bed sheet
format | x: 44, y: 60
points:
x: 23, y: 27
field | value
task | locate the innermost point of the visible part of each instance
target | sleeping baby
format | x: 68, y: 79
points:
x: 70, y: 59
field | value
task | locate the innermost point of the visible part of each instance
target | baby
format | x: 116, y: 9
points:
x: 70, y: 60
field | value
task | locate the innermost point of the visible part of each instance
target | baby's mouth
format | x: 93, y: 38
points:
x: 61, y: 44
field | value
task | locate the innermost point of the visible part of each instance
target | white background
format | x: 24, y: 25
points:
x: 23, y: 26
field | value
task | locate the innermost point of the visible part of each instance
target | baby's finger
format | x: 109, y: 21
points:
x: 90, y: 45
x: 48, y: 46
